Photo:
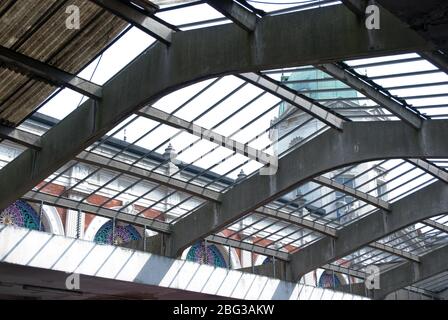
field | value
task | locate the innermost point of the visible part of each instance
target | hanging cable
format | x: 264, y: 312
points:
x: 91, y: 77
x: 78, y: 224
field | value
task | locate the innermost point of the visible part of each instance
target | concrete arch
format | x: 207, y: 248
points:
x: 405, y: 274
x: 195, y: 55
x: 359, y: 142
x: 428, y: 202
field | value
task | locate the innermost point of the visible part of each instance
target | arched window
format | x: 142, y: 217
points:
x: 209, y: 254
x: 123, y: 234
x: 329, y: 280
x: 21, y: 214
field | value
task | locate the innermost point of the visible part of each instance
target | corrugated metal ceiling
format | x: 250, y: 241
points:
x: 37, y: 29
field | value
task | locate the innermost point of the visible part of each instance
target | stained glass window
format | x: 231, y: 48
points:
x: 268, y: 260
x: 20, y: 214
x: 123, y: 234
x: 209, y: 254
x: 329, y: 280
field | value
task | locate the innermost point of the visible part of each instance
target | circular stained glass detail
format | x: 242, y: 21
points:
x: 20, y: 214
x: 268, y: 260
x: 209, y: 254
x: 329, y: 280
x: 123, y: 234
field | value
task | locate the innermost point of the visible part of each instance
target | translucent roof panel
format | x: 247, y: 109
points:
x: 166, y: 159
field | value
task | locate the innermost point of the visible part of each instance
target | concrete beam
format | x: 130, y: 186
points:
x: 436, y: 225
x: 365, y: 197
x: 359, y: 142
x: 30, y: 140
x: 437, y: 58
x: 20, y: 137
x: 317, y: 227
x: 408, y: 273
x: 140, y: 20
x: 296, y: 220
x: 171, y: 2
x: 366, y: 89
x: 275, y: 268
x: 248, y: 247
x: 210, y: 135
x: 25, y: 64
x: 30, y: 248
x: 97, y: 160
x: 357, y: 6
x: 24, y: 282
x: 236, y: 13
x: 298, y: 100
x: 285, y: 256
x: 284, y: 270
x: 348, y: 271
x: 433, y: 170
x: 147, y: 5
x: 409, y: 293
x: 425, y: 20
x: 400, y: 253
x: 193, y: 56
x: 140, y: 173
x: 155, y: 225
x: 423, y: 204
x: 371, y: 200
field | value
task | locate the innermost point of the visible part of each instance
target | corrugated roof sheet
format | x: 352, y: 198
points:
x: 37, y: 29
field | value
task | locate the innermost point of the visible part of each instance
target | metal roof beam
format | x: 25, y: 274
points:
x: 365, y: 197
x: 359, y: 142
x: 207, y: 134
x: 436, y: 225
x: 348, y: 271
x: 25, y: 64
x: 317, y: 227
x: 296, y: 220
x: 248, y: 247
x: 235, y: 12
x: 31, y: 140
x: 366, y: 89
x: 408, y: 273
x: 20, y: 137
x: 298, y: 100
x: 437, y: 58
x: 147, y: 5
x: 423, y: 204
x: 155, y: 225
x: 140, y: 173
x: 198, y: 54
x: 395, y: 251
x: 357, y: 6
x: 140, y: 20
x: 433, y: 170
